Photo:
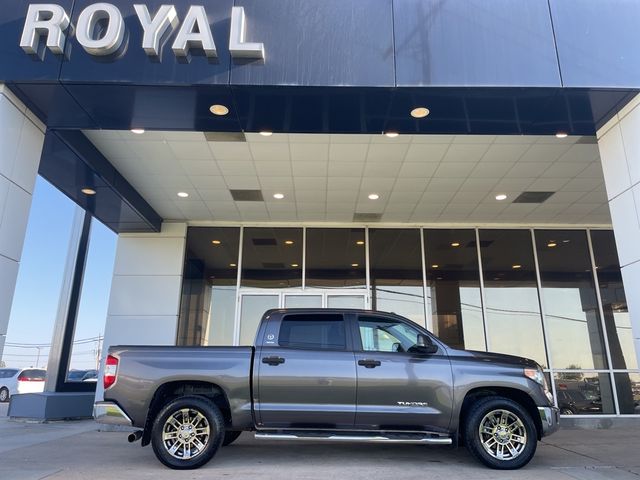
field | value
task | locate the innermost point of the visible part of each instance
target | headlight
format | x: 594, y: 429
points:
x: 538, y: 376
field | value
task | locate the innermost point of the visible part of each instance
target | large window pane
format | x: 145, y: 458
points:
x: 335, y: 257
x: 94, y: 302
x: 571, y: 307
x: 614, y: 302
x: 453, y: 281
x: 207, y: 311
x: 272, y: 257
x: 584, y: 393
x: 514, y: 323
x: 628, y: 389
x: 396, y: 272
x: 37, y: 293
x: 252, y: 308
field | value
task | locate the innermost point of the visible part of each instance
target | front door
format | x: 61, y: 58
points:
x: 398, y: 389
x: 306, y: 375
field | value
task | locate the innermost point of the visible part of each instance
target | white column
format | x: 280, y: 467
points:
x: 146, y: 288
x: 619, y: 143
x: 21, y: 140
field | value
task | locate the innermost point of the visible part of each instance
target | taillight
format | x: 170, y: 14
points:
x: 23, y: 378
x: 110, y: 371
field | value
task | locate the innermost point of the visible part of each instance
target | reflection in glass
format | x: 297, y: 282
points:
x: 335, y: 257
x: 395, y: 260
x: 570, y: 302
x: 614, y: 302
x: 453, y: 282
x: 272, y: 257
x: 584, y: 393
x: 303, y: 301
x: 514, y: 323
x: 252, y: 307
x: 628, y: 389
x: 207, y: 310
x: 345, y: 301
x: 94, y: 302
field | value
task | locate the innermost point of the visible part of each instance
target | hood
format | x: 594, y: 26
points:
x: 496, y: 358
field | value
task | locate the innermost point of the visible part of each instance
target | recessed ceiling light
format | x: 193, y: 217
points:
x: 288, y: 242
x: 278, y: 196
x: 233, y: 265
x: 216, y: 242
x: 420, y: 112
x: 562, y: 135
x: 88, y: 191
x: 516, y: 267
x: 374, y: 196
x: 295, y: 265
x: 435, y: 265
x: 501, y: 197
x: 391, y: 134
x: 552, y: 244
x: 137, y: 131
x: 354, y: 265
x: 218, y: 109
x: 183, y: 194
x: 360, y: 242
x: 455, y: 244
x: 266, y: 133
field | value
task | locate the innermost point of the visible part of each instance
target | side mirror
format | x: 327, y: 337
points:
x: 425, y: 345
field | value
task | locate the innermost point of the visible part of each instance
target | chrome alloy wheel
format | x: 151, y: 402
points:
x: 186, y: 434
x: 502, y: 434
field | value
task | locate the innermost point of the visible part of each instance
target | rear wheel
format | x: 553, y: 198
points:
x: 500, y: 433
x: 230, y: 436
x: 4, y: 395
x: 187, y: 432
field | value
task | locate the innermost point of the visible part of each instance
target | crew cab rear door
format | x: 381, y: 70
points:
x: 399, y: 388
x: 305, y: 372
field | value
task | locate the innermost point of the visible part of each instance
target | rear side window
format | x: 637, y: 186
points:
x: 7, y: 373
x: 321, y: 331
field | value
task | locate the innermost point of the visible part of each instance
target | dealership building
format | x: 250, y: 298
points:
x: 473, y: 166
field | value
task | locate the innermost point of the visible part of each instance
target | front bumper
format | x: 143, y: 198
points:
x: 550, y: 418
x: 111, y: 414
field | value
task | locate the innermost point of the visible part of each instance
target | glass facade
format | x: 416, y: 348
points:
x: 552, y: 295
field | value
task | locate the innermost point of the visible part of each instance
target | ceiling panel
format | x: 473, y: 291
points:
x: 427, y: 178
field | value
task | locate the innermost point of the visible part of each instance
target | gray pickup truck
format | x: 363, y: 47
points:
x: 325, y: 374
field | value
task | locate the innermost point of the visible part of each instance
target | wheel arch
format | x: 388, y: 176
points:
x: 176, y: 389
x: 521, y: 397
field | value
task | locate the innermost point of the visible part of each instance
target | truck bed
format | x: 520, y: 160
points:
x: 144, y: 369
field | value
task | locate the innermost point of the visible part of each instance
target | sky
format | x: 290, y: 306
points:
x: 37, y: 294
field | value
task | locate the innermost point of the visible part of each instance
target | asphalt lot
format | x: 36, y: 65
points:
x: 76, y: 450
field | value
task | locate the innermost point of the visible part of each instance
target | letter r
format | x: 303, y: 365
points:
x: 44, y: 19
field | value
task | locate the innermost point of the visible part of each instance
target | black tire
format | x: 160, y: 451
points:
x: 482, y: 410
x: 193, y: 404
x: 230, y: 436
x: 4, y: 395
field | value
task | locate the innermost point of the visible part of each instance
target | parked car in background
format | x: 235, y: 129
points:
x: 14, y: 381
x: 572, y: 402
x: 90, y: 376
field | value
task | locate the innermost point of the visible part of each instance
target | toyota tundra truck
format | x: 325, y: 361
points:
x: 328, y: 374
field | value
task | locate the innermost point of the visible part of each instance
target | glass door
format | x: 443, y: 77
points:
x: 252, y: 305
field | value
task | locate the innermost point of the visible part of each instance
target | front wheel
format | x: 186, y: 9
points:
x: 500, y: 433
x: 187, y: 432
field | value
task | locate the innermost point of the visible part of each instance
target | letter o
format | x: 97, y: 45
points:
x: 112, y: 39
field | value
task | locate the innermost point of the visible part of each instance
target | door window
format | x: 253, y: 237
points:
x: 321, y: 332
x: 386, y: 335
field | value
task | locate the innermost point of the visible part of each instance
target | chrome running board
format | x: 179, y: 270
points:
x: 332, y: 437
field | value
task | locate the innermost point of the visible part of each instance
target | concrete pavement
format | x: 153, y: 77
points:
x: 76, y: 450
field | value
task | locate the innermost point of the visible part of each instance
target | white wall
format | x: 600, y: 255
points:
x: 619, y: 143
x: 21, y: 140
x: 146, y: 287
